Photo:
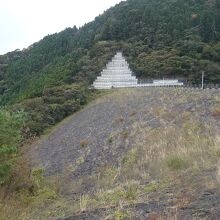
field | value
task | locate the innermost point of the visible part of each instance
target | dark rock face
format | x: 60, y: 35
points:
x: 207, y: 204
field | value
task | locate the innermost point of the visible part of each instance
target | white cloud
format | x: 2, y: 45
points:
x: 23, y: 22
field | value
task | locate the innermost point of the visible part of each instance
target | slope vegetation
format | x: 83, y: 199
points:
x: 132, y: 154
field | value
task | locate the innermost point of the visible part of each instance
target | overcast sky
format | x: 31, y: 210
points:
x: 23, y: 22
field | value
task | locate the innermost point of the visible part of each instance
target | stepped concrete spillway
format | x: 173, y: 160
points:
x: 117, y: 74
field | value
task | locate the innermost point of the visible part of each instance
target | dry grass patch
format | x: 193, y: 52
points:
x: 26, y: 204
x: 216, y: 112
x: 84, y: 143
x: 172, y: 148
x: 159, y: 157
x: 84, y: 200
x: 218, y: 172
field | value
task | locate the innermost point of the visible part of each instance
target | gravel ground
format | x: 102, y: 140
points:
x: 93, y: 125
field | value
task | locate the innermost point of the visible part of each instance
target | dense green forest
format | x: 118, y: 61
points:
x: 160, y: 38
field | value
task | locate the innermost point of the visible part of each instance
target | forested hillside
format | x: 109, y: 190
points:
x: 160, y: 38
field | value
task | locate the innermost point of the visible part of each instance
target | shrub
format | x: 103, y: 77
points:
x: 10, y: 135
x: 55, y: 104
x: 131, y: 192
x: 110, y: 139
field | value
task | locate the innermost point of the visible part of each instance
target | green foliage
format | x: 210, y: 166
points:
x: 128, y: 193
x: 37, y: 176
x: 151, y: 187
x: 130, y: 158
x: 10, y: 125
x: 131, y: 192
x: 10, y: 134
x: 121, y: 214
x: 176, y: 163
x: 114, y: 196
x: 55, y: 104
x: 4, y: 172
x: 110, y: 139
x: 43, y: 189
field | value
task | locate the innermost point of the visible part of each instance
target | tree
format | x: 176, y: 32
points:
x: 207, y: 26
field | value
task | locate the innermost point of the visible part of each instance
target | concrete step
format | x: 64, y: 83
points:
x: 115, y: 73
x: 116, y: 76
x: 114, y: 84
x: 113, y: 69
x: 101, y: 79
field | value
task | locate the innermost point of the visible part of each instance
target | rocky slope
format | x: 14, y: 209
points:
x: 135, y: 154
